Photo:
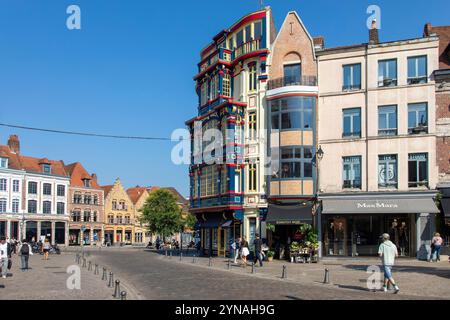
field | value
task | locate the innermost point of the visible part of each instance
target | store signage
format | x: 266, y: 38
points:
x: 376, y: 205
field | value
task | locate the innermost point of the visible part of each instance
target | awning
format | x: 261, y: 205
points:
x: 227, y: 224
x: 381, y: 206
x: 446, y: 206
x: 212, y: 221
x: 289, y: 214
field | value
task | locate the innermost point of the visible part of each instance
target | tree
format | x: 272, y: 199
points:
x: 161, y: 213
x: 189, y: 221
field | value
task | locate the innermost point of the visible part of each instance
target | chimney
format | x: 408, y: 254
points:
x: 427, y: 30
x: 373, y: 33
x: 94, y: 177
x: 319, y: 42
x: 14, y: 143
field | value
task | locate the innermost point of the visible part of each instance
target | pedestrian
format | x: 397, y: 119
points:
x: 46, y: 248
x: 388, y: 252
x: 24, y: 253
x: 235, y: 247
x: 13, y: 245
x: 258, y: 250
x: 244, y: 251
x: 436, y: 244
x: 5, y: 254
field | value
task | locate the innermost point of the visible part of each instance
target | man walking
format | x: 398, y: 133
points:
x: 236, y: 247
x: 24, y: 253
x: 388, y: 252
x: 258, y: 249
x: 5, y: 251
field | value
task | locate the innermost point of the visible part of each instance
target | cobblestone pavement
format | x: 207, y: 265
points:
x: 46, y: 280
x: 154, y: 276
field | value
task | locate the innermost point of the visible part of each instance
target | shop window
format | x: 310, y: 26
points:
x: 47, y: 207
x: 387, y: 121
x: 352, y: 77
x: 32, y: 206
x: 352, y: 172
x: 387, y: 73
x: 417, y: 118
x: 418, y: 170
x: 417, y: 70
x: 352, y: 123
x: 32, y: 187
x: 387, y: 171
x: 47, y: 189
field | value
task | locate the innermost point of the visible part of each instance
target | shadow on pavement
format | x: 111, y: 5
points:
x: 444, y: 273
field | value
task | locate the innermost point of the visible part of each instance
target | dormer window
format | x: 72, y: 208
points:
x: 87, y: 183
x: 46, y: 168
x: 3, y: 162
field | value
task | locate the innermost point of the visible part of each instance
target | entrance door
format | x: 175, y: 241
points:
x: 222, y: 247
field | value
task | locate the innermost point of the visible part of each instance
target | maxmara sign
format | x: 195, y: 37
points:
x: 376, y: 205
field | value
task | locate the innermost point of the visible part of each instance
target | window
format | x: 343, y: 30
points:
x: 214, y: 180
x: 292, y: 74
x: 352, y: 77
x: 95, y: 201
x: 214, y: 83
x: 387, y: 171
x: 2, y: 184
x: 47, y: 207
x: 16, y: 185
x: 204, y: 93
x: 60, y: 208
x: 32, y: 206
x: 15, y: 206
x: 352, y: 172
x: 387, y: 73
x: 296, y: 163
x: 110, y: 219
x: 3, y: 162
x: 252, y: 177
x: 87, y: 183
x: 46, y: 168
x: 87, y: 216
x: 387, y: 121
x: 226, y: 85
x: 252, y: 126
x: 257, y: 30
x: 240, y: 38
x: 32, y: 187
x: 94, y: 216
x: 352, y: 122
x: 77, y: 198
x: 87, y: 199
x: 248, y: 33
x: 237, y: 180
x: 127, y: 220
x: 418, y: 170
x: 417, y: 118
x: 2, y: 205
x: 223, y: 180
x: 119, y: 220
x: 47, y: 189
x: 417, y: 70
x: 122, y: 205
x: 76, y: 216
x: 61, y: 190
x: 253, y: 82
x: 293, y: 113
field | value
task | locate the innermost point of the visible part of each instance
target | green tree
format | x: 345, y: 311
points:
x: 161, y: 213
x: 189, y: 221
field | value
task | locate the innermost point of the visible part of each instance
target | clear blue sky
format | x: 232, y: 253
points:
x: 129, y: 70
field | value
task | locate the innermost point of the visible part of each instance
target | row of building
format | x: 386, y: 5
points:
x: 65, y: 204
x: 357, y: 138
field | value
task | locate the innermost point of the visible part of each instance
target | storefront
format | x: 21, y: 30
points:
x: 351, y: 225
x: 284, y: 222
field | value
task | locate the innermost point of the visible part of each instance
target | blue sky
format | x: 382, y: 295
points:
x: 129, y: 71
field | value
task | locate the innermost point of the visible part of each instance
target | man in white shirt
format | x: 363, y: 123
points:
x: 388, y: 252
x: 4, y: 255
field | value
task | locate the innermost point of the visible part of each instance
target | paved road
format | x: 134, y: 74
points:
x: 155, y: 277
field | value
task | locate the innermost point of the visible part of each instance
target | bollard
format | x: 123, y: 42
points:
x: 111, y: 280
x: 117, y: 290
x: 89, y: 266
x: 284, y: 273
x: 76, y: 258
x: 84, y: 262
x: 123, y: 295
x: 253, y: 268
x: 104, y: 276
x: 181, y: 256
x: 326, y: 278
x: 166, y: 253
x: 228, y: 264
x: 210, y: 262
x: 170, y: 257
x: 193, y: 258
x: 96, y: 269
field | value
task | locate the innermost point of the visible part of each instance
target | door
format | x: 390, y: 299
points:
x: 222, y: 245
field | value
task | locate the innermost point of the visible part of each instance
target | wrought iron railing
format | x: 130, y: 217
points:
x: 292, y: 81
x: 253, y: 45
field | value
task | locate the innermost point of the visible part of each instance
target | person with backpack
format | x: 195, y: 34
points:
x: 24, y: 253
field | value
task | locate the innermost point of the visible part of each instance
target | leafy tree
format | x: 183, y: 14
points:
x: 189, y: 221
x: 161, y: 213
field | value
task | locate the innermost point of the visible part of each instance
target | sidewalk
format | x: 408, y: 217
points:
x: 415, y: 278
x: 46, y: 280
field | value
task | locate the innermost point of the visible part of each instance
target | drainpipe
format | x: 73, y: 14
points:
x: 366, y: 116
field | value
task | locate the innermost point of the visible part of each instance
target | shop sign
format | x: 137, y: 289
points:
x: 376, y: 205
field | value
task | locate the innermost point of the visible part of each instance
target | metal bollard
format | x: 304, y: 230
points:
x: 228, y: 264
x: 253, y: 268
x: 166, y: 253
x: 117, y: 290
x: 84, y: 262
x: 193, y: 258
x: 284, y: 273
x: 326, y: 278
x: 104, y: 275
x: 123, y: 295
x: 111, y: 280
x: 210, y: 262
x: 181, y: 256
x: 96, y: 269
x: 170, y: 257
x: 89, y: 266
x: 76, y: 258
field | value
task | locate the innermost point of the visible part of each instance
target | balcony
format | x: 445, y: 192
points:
x: 310, y: 81
x: 251, y: 46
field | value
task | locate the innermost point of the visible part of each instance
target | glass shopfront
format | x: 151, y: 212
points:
x: 359, y: 235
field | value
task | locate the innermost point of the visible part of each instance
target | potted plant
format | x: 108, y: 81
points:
x: 270, y: 255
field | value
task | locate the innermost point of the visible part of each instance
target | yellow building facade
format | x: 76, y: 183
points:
x: 138, y: 195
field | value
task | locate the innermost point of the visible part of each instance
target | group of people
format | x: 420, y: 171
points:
x: 241, y: 249
x: 10, y: 247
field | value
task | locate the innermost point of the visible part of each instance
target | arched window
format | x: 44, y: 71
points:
x: 292, y: 71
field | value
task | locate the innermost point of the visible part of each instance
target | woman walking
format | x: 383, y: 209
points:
x: 46, y: 249
x: 436, y: 244
x: 244, y: 251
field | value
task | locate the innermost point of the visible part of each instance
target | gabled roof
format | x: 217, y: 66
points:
x: 78, y: 173
x: 107, y: 189
x: 34, y: 165
x: 136, y: 193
